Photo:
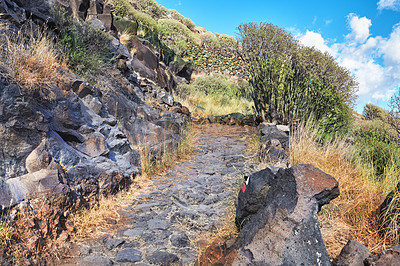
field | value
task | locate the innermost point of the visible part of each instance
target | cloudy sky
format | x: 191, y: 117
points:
x: 363, y: 35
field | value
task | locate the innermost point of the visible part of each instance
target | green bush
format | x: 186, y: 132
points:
x: 185, y: 21
x: 177, y: 35
x: 209, y: 39
x: 217, y: 84
x: 152, y: 8
x: 125, y: 9
x: 122, y: 7
x: 377, y: 146
x: 85, y: 48
x: 293, y: 82
x: 372, y: 111
x: 227, y: 42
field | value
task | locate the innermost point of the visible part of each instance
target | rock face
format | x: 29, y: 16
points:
x: 89, y: 10
x: 146, y: 63
x: 60, y: 154
x: 85, y: 137
x: 277, y: 213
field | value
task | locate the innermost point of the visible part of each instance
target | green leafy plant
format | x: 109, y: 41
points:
x: 217, y: 84
x: 227, y: 42
x: 209, y: 39
x: 85, y: 48
x: 291, y: 82
x: 185, y: 21
x: 377, y: 147
x: 372, y: 111
x: 177, y: 35
x: 152, y: 8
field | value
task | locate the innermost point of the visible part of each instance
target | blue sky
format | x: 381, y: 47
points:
x: 363, y: 36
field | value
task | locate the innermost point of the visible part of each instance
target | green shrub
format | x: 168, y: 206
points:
x: 227, y: 42
x: 209, y: 39
x: 177, y: 35
x: 293, y: 82
x: 125, y: 9
x: 372, y: 111
x: 185, y: 21
x: 200, y: 30
x: 152, y: 8
x: 217, y: 84
x: 122, y: 7
x: 85, y: 48
x: 377, y: 147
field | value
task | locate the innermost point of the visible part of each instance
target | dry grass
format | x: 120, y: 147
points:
x: 95, y: 222
x: 31, y: 60
x: 151, y: 167
x: 7, y: 233
x: 125, y: 38
x: 204, y: 105
x: 353, y: 214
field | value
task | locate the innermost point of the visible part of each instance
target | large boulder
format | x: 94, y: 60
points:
x: 284, y: 230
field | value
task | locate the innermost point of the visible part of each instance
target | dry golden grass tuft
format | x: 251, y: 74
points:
x: 30, y: 59
x: 7, y: 233
x: 151, y: 167
x: 204, y: 105
x: 95, y: 222
x: 353, y: 214
x: 125, y: 38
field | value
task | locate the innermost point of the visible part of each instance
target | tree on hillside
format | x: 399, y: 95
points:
x: 393, y: 117
x: 291, y: 81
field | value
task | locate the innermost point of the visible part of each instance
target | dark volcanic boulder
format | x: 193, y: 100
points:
x: 285, y: 229
x: 353, y: 254
x: 252, y: 195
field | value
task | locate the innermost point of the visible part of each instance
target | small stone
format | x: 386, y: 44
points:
x: 85, y: 250
x: 354, y: 253
x: 283, y: 128
x: 134, y: 232
x: 111, y: 243
x: 133, y: 244
x: 158, y: 224
x: 97, y: 260
x: 209, y: 172
x: 162, y: 258
x: 180, y: 240
x: 129, y: 255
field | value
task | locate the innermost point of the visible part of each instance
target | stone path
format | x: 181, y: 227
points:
x: 162, y: 223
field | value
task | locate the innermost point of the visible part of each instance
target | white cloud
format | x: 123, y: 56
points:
x: 391, y: 48
x: 362, y: 55
x: 389, y: 4
x: 314, y: 39
x: 359, y: 28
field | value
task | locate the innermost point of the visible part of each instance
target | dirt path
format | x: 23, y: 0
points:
x: 165, y: 219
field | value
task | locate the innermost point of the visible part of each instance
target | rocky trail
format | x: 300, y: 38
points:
x: 163, y: 224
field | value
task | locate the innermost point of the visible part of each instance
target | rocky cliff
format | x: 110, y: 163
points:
x: 64, y: 151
